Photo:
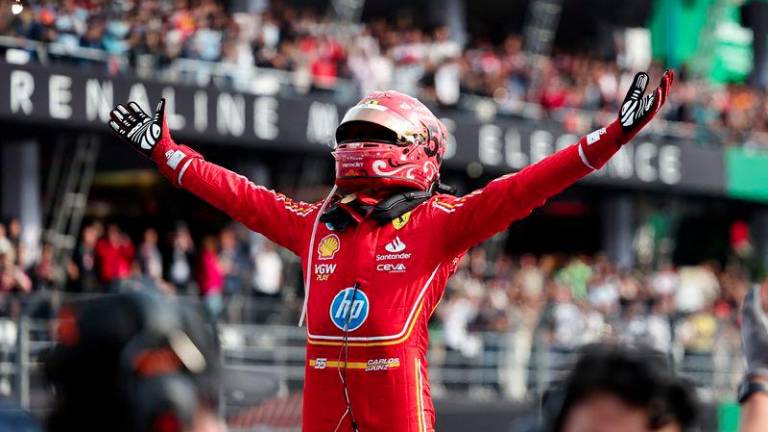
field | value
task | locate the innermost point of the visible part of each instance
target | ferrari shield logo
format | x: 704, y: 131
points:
x: 401, y: 220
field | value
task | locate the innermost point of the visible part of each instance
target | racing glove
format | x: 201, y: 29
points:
x: 151, y: 136
x: 636, y: 111
x: 754, y: 334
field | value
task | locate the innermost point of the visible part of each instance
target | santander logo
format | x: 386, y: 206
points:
x: 395, y: 245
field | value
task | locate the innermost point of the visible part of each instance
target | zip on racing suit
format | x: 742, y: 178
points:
x: 375, y: 286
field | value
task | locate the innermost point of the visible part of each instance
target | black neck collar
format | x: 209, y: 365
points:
x: 343, y: 213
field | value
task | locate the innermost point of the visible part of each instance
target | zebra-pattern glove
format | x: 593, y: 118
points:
x: 137, y: 127
x: 637, y: 110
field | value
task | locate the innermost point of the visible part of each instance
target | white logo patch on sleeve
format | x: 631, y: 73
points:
x: 174, y: 157
x: 595, y: 136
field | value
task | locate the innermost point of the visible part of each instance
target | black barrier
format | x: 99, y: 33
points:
x: 69, y: 97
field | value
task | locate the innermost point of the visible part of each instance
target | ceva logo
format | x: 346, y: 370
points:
x: 395, y: 246
x: 391, y: 268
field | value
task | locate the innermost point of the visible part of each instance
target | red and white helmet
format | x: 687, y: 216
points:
x: 389, y: 140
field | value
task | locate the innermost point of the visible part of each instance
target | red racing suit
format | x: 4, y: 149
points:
x: 381, y: 282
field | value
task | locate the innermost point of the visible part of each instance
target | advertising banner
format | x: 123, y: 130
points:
x: 71, y: 98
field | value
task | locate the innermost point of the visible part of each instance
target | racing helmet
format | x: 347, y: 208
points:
x: 389, y: 140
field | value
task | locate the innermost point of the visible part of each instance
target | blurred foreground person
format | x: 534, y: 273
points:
x: 134, y: 362
x: 615, y: 388
x: 377, y: 252
x: 753, y: 391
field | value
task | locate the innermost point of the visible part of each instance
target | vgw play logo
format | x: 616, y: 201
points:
x: 349, y: 309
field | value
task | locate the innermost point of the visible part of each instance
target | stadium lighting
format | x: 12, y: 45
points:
x: 17, y: 7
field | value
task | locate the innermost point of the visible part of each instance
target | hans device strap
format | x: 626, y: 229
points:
x: 397, y: 205
x: 340, y: 216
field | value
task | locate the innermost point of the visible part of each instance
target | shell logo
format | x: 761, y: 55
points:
x: 328, y: 247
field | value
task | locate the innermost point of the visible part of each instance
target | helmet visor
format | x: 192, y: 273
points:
x: 373, y: 123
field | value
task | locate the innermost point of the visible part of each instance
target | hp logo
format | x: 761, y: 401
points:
x: 344, y: 307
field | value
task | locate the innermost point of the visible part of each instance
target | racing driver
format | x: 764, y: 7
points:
x: 377, y: 252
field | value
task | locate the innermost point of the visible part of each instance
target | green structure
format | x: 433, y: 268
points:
x: 705, y: 35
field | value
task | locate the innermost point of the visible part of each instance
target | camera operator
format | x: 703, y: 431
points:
x: 134, y: 362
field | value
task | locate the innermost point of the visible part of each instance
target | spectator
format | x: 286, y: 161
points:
x: 575, y: 275
x: 45, y: 271
x: 604, y: 290
x: 114, y: 255
x: 86, y: 276
x: 70, y: 23
x: 206, y: 42
x: 151, y: 261
x: 234, y: 267
x: 659, y: 326
x: 443, y: 46
x: 115, y: 37
x: 12, y: 278
x: 553, y: 95
x: 460, y: 311
x: 5, y: 244
x: 14, y: 233
x: 180, y: 261
x: 268, y: 269
x: 94, y: 35
x: 697, y: 332
x: 209, y: 277
x: 233, y: 263
x: 698, y: 288
x: 666, y: 281
x: 566, y: 318
x: 27, y: 25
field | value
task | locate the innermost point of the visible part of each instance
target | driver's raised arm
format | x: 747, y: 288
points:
x: 468, y: 220
x: 279, y: 218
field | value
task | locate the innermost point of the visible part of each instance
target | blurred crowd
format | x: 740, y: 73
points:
x: 499, y: 312
x: 527, y: 315
x: 228, y: 266
x: 578, y: 300
x: 574, y: 300
x: 427, y: 62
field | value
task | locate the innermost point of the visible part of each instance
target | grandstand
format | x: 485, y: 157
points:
x: 656, y: 249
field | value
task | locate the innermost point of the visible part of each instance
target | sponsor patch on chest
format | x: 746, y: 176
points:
x: 324, y: 271
x: 328, y: 247
x: 349, y: 309
x: 391, y: 267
